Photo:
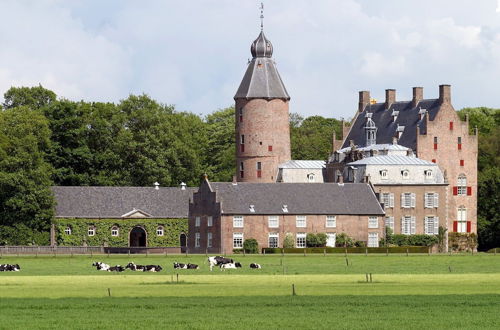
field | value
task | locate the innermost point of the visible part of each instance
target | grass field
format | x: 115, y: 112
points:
x: 406, y: 292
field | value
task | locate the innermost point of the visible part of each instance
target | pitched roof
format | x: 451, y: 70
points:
x: 306, y: 164
x: 300, y: 198
x: 114, y: 202
x: 392, y: 160
x: 408, y: 117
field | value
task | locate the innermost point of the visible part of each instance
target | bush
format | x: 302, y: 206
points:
x: 341, y: 250
x: 316, y: 240
x: 288, y: 241
x: 344, y: 240
x: 250, y: 245
x: 414, y: 240
x: 360, y: 244
x: 20, y: 234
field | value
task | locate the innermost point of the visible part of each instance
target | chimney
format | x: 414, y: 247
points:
x: 444, y: 94
x: 157, y: 185
x: 364, y: 100
x: 183, y: 186
x: 418, y: 95
x: 390, y: 97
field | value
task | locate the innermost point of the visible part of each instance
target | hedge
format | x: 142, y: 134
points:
x: 79, y: 231
x: 395, y: 249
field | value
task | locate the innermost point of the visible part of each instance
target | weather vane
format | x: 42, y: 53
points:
x: 261, y: 16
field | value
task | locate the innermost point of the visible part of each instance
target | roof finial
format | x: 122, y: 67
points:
x: 261, y: 16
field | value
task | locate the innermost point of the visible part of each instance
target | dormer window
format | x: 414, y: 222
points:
x: 399, y: 131
x: 370, y: 131
x: 394, y: 115
x: 384, y: 174
x: 251, y: 208
x: 421, y: 113
x: 428, y: 174
x: 310, y: 177
x: 285, y: 208
x: 405, y: 174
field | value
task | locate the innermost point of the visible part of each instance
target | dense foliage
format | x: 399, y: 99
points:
x: 250, y: 245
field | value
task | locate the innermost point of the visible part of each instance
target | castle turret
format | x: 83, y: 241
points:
x: 262, y: 123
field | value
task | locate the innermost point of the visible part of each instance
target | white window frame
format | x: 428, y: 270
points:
x: 91, y: 231
x: 461, y: 219
x: 273, y: 240
x: 197, y: 239
x: 428, y: 174
x: 331, y: 239
x: 209, y: 239
x: 405, y: 174
x: 160, y: 231
x: 462, y: 185
x: 197, y: 221
x: 331, y: 221
x: 237, y: 240
x: 238, y: 221
x: 384, y: 174
x: 408, y: 200
x: 300, y: 240
x: 373, y: 240
x: 310, y: 178
x: 115, y: 231
x: 408, y: 225
x: 431, y: 200
x: 372, y: 222
x: 210, y: 221
x: 301, y: 221
x: 431, y: 225
x: 388, y: 199
x: 389, y: 222
x: 273, y: 221
x: 67, y: 230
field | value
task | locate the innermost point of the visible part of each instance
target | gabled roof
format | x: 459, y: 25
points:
x: 115, y: 202
x: 408, y: 117
x: 300, y: 198
x: 305, y: 164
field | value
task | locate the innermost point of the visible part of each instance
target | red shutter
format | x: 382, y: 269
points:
x: 459, y: 146
x: 259, y: 173
x: 469, y: 191
x: 451, y: 125
x: 461, y: 162
x: 242, y: 147
x: 455, y: 191
x: 468, y: 226
x: 269, y: 148
x: 433, y: 160
x: 435, y: 146
x: 455, y: 226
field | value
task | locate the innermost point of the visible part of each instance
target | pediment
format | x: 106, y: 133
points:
x: 136, y: 213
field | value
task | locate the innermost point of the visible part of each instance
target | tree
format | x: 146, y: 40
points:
x: 32, y: 97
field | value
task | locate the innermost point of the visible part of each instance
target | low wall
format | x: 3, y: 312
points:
x: 35, y: 250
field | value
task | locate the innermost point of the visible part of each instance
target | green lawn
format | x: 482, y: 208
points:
x: 418, y: 291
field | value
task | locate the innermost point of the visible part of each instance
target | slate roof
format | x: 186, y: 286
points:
x: 378, y: 147
x: 300, y: 198
x: 408, y: 117
x: 306, y: 164
x: 392, y: 160
x: 113, y: 202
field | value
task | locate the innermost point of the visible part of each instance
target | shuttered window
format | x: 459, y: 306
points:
x: 431, y: 225
x: 389, y: 222
x: 387, y: 199
x: 408, y: 225
x: 431, y: 200
x: 407, y: 200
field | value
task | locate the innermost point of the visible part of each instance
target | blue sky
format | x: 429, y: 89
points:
x: 193, y: 53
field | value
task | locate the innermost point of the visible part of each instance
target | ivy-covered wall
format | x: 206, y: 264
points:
x: 79, y: 231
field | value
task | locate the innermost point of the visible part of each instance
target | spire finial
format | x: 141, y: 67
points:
x: 261, y: 16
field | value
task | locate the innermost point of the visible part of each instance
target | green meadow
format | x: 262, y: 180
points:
x: 439, y: 291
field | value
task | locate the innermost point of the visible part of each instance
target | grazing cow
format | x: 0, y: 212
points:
x: 116, y: 268
x: 180, y: 266
x: 9, y: 268
x: 218, y: 260
x: 152, y: 268
x: 101, y: 266
x: 232, y: 265
x: 255, y: 266
x: 134, y: 267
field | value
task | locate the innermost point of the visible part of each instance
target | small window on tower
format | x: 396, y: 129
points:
x: 241, y: 115
x: 459, y: 142
x: 451, y: 125
x: 269, y: 148
x: 242, y: 169
x: 259, y: 169
x: 242, y: 143
x: 435, y: 143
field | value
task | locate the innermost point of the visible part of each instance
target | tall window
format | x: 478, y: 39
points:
x: 301, y: 221
x: 330, y: 239
x: 372, y: 239
x: 273, y: 221
x: 387, y: 199
x: 91, y: 231
x: 372, y: 222
x: 67, y: 231
x: 238, y: 221
x: 435, y: 143
x: 462, y: 219
x: 160, y: 231
x: 389, y: 222
x: 459, y: 143
x: 238, y: 240
x: 259, y: 169
x: 273, y: 240
x: 197, y: 239
x: 462, y: 185
x: 408, y: 225
x: 114, y: 231
x: 331, y: 221
x: 242, y: 143
x: 300, y: 240
x: 242, y: 170
x: 431, y: 200
x: 210, y: 221
x: 197, y: 221
x: 407, y: 200
x: 209, y: 239
x: 431, y: 225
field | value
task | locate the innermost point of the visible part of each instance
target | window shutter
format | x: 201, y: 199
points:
x: 412, y: 200
x: 413, y: 225
x: 455, y: 190
x: 455, y: 226
x: 403, y: 200
x: 468, y: 226
x: 436, y: 225
x: 403, y: 225
x: 469, y: 191
x: 426, y: 225
x: 391, y: 199
x: 436, y: 200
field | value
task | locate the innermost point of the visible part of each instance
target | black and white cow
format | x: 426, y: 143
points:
x: 255, y: 266
x: 218, y: 260
x: 232, y: 265
x: 134, y: 267
x: 101, y: 266
x: 9, y: 268
x: 116, y: 268
x: 152, y: 268
x: 192, y: 266
x: 180, y: 266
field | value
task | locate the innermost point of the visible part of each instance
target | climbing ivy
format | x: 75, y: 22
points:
x: 172, y: 228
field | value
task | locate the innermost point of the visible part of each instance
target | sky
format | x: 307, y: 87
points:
x: 193, y: 54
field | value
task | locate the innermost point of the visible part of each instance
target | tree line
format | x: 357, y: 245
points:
x: 46, y: 140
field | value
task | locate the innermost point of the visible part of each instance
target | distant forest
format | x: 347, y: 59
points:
x: 46, y: 140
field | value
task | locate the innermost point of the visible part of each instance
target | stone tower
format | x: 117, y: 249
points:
x: 261, y: 117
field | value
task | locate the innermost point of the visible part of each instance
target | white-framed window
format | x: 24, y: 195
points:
x: 238, y: 221
x: 405, y: 174
x: 273, y: 221
x: 197, y: 221
x: 408, y: 225
x: 462, y: 185
x: 91, y: 231
x: 210, y: 221
x: 273, y: 240
x: 407, y: 200
x: 115, y: 231
x: 330, y: 239
x: 238, y: 240
x: 300, y: 241
x: 197, y: 239
x: 67, y: 231
x: 431, y: 225
x: 310, y: 177
x: 160, y: 231
x: 372, y: 222
x: 431, y: 200
x: 301, y: 221
x: 209, y: 239
x: 389, y: 222
x: 387, y: 199
x: 384, y: 174
x: 331, y: 221
x: 428, y: 174
x: 461, y: 219
x: 372, y: 239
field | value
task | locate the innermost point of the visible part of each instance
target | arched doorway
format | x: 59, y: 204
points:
x: 137, y: 237
x: 183, y: 240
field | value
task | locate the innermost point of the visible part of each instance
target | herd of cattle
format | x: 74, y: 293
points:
x: 9, y: 268
x: 222, y: 262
